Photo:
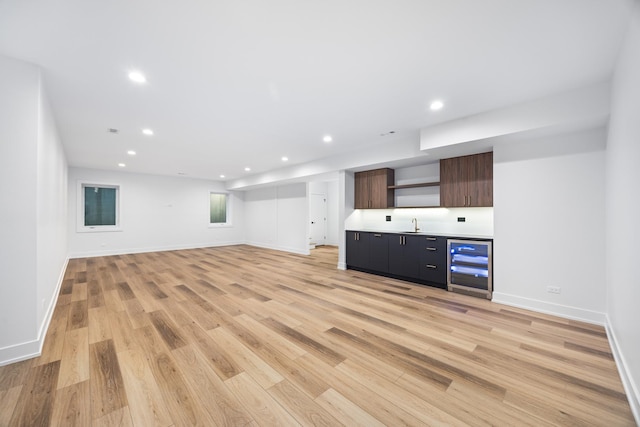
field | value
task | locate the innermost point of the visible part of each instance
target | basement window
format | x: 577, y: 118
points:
x: 98, y: 207
x: 219, y: 209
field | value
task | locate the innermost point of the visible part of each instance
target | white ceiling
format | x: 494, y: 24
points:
x: 240, y: 83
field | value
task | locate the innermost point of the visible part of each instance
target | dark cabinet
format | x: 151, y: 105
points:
x: 467, y: 181
x: 357, y: 249
x: 368, y: 251
x: 372, y: 189
x: 433, y: 259
x: 404, y: 255
x: 418, y: 258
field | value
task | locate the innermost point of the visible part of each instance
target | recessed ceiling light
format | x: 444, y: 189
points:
x: 436, y: 105
x: 131, y: 153
x: 247, y: 169
x: 137, y: 76
x: 285, y: 159
x: 121, y: 165
x: 147, y: 132
x: 327, y: 138
x: 221, y: 176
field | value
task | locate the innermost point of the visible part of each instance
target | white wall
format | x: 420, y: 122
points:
x: 277, y: 217
x: 33, y: 190
x: 333, y: 220
x: 623, y: 212
x: 51, y: 213
x: 549, y: 224
x: 346, y: 186
x: 157, y: 213
x: 18, y: 151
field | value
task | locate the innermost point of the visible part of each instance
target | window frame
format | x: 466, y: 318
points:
x: 80, y: 227
x: 228, y: 222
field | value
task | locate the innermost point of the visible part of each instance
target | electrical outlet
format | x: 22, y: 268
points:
x: 553, y: 289
x: 388, y: 217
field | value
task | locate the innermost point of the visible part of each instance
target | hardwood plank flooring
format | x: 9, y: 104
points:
x: 244, y: 336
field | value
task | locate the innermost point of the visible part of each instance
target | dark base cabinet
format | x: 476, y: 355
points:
x: 433, y: 260
x: 415, y: 258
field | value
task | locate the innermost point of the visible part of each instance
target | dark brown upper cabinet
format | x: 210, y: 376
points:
x: 467, y: 181
x: 372, y: 189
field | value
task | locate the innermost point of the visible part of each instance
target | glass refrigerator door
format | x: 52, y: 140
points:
x: 470, y: 264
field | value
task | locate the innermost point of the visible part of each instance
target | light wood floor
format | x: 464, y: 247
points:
x: 243, y: 336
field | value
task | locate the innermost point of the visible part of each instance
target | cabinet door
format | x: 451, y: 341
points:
x: 467, y: 181
x: 453, y: 182
x: 362, y: 190
x: 396, y: 254
x: 357, y: 249
x: 404, y: 255
x: 371, y: 189
x: 379, y: 252
x: 480, y: 180
x: 380, y: 194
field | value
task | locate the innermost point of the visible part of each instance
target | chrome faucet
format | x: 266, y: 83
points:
x: 415, y: 222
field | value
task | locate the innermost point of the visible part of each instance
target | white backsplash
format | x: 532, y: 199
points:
x: 478, y: 221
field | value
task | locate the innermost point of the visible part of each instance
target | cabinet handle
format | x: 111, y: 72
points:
x: 377, y: 235
x: 431, y: 266
x: 431, y: 238
x: 401, y: 240
x: 469, y: 201
x: 432, y: 249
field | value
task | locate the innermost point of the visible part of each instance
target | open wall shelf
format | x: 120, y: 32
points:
x: 417, y: 185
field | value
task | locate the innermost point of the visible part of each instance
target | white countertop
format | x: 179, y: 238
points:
x: 424, y: 233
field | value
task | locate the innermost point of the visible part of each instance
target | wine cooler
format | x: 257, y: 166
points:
x: 469, y: 267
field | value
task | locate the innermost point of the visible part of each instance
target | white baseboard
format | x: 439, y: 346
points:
x: 23, y: 351
x: 568, y: 312
x: 342, y: 265
x: 92, y: 254
x: 630, y: 388
x: 30, y: 349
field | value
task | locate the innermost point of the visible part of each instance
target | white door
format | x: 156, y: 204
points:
x: 318, y: 219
